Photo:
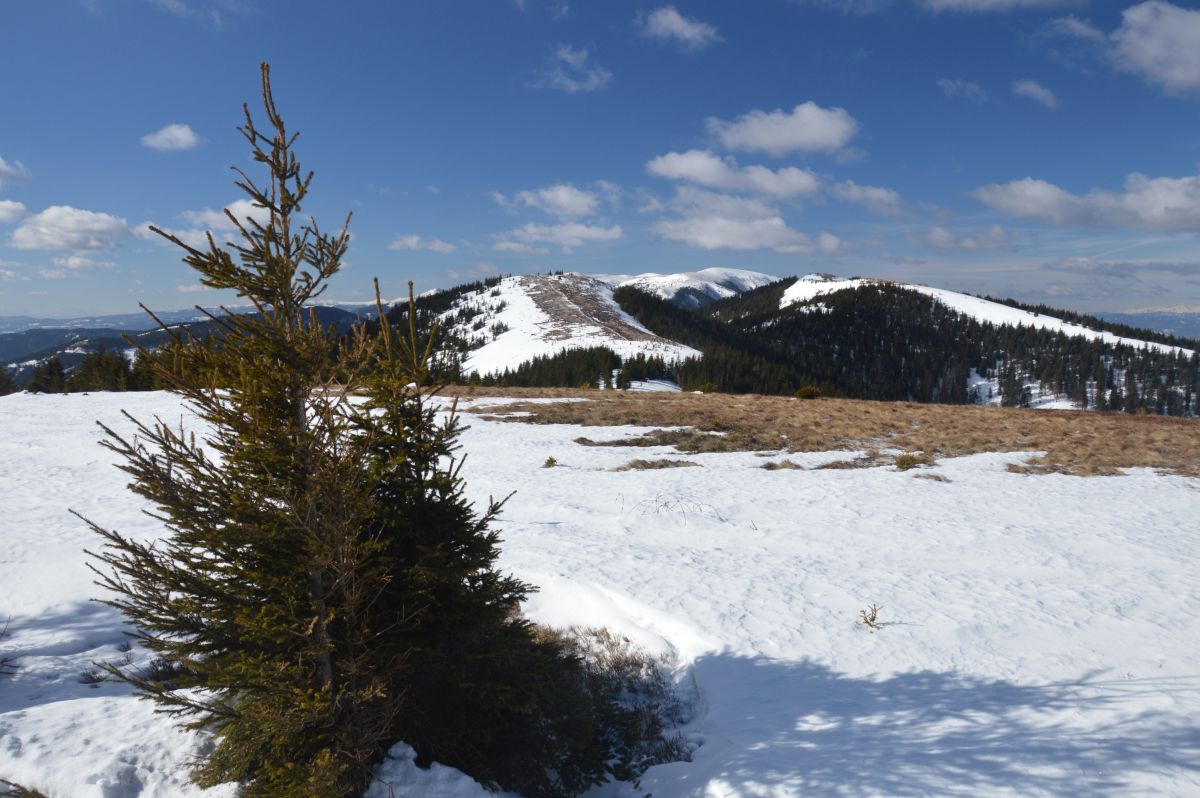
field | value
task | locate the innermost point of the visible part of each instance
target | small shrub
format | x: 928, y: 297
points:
x: 10, y: 789
x: 91, y: 676
x: 808, y: 392
x: 650, y: 465
x: 869, y: 617
x: 7, y: 663
x: 910, y: 460
x: 551, y: 462
x: 633, y: 699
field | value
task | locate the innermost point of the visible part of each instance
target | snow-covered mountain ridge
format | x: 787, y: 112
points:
x: 983, y: 310
x: 694, y: 289
x: 537, y: 315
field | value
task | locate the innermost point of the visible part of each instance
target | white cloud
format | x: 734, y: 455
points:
x: 1156, y: 40
x: 938, y: 6
x: 208, y: 220
x: 668, y: 24
x: 241, y: 209
x: 8, y: 275
x: 1074, y: 27
x: 1035, y: 91
x: 76, y: 262
x: 706, y: 169
x: 965, y: 89
x: 13, y: 174
x: 414, y: 242
x: 830, y: 244
x: 806, y: 128
x: 884, y: 201
x: 856, y: 7
x: 994, y: 237
x: 524, y: 249
x: 64, y: 227
x: 709, y: 220
x: 171, y: 137
x: 569, y: 71
x: 1161, y: 203
x: 52, y: 274
x: 566, y: 236
x: 11, y: 211
x: 559, y: 199
x: 1160, y: 42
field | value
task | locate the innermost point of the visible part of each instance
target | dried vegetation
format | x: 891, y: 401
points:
x: 1073, y: 442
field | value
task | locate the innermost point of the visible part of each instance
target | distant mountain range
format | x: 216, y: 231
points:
x: 741, y: 331
x: 22, y: 351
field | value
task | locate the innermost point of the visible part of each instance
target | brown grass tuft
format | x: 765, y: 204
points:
x: 651, y: 465
x: 1075, y: 442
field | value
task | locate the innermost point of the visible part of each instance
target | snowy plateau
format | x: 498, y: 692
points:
x: 1037, y: 634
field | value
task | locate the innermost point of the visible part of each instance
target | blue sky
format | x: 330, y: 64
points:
x: 1042, y: 149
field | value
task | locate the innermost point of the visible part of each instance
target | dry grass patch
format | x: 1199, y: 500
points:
x: 783, y: 464
x: 651, y: 465
x: 1074, y: 442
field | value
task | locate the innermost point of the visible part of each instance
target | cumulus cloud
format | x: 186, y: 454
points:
x: 963, y: 89
x: 11, y: 211
x: 63, y: 227
x: 76, y: 262
x: 939, y: 238
x: 208, y: 220
x: 560, y: 199
x: 884, y: 201
x: 569, y: 71
x: 1156, y: 40
x: 855, y: 7
x: 1035, y: 91
x: 710, y: 220
x: 668, y: 24
x: 1162, y: 203
x: 567, y: 236
x: 241, y: 209
x: 524, y: 249
x: 704, y: 168
x: 806, y: 128
x: 13, y: 174
x: 1160, y: 42
x: 171, y: 137
x: 414, y: 242
x: 52, y: 274
x: 938, y: 6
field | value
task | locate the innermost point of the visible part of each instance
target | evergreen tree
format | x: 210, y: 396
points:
x: 7, y: 384
x: 48, y: 377
x: 325, y: 589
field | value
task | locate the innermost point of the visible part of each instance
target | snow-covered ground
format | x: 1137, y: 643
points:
x: 1038, y: 633
x: 813, y: 285
x: 543, y: 315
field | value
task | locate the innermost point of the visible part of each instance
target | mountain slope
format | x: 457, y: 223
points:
x: 697, y: 289
x: 520, y: 318
x: 989, y: 312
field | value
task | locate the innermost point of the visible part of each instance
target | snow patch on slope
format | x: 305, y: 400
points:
x: 813, y: 285
x: 540, y: 315
x: 694, y: 289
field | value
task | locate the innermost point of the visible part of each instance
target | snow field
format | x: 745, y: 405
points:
x: 813, y: 285
x: 1038, y: 633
